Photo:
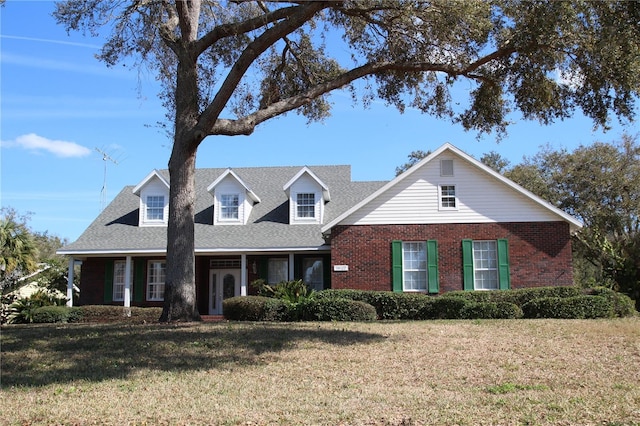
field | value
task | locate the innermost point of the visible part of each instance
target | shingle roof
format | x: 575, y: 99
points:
x: 116, y: 229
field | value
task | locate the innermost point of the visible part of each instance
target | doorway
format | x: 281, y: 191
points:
x: 223, y: 284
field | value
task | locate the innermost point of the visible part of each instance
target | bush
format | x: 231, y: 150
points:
x: 112, y: 313
x: 623, y: 305
x: 443, y: 308
x: 491, y: 310
x: 289, y: 291
x: 54, y: 314
x: 388, y: 305
x: 576, y: 307
x: 22, y: 310
x: 336, y: 309
x: 256, y: 308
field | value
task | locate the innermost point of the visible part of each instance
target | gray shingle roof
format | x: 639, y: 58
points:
x: 116, y: 229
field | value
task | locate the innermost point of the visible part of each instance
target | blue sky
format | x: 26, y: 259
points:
x: 60, y: 108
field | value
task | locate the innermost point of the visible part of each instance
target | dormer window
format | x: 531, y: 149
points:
x: 229, y: 206
x: 306, y: 205
x: 155, y: 207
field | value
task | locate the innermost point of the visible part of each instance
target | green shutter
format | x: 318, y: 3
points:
x: 467, y: 264
x: 504, y: 279
x: 326, y: 273
x: 396, y: 268
x: 263, y: 268
x: 138, y: 280
x: 433, y: 283
x: 108, y: 281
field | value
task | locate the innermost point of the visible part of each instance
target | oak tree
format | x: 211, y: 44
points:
x: 228, y: 66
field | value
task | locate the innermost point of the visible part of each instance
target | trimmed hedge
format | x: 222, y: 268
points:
x: 388, y: 305
x: 491, y: 310
x: 576, y: 307
x: 112, y: 313
x: 256, y: 308
x: 336, y: 309
x: 54, y: 314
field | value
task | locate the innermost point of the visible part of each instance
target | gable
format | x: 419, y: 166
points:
x: 481, y: 196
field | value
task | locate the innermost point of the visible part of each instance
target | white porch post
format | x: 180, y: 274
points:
x: 243, y: 275
x: 291, y: 269
x: 127, y: 282
x: 70, y: 273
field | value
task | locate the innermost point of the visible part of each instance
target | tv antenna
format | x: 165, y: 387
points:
x: 103, y: 193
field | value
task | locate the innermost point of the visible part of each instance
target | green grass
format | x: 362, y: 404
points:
x: 512, y: 372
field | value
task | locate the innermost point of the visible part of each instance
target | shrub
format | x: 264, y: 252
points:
x: 21, y: 311
x: 53, y: 314
x: 623, y: 305
x: 336, y: 309
x: 388, y: 305
x: 491, y: 310
x: 576, y: 307
x: 443, y: 308
x: 289, y: 291
x: 256, y: 308
x: 113, y: 313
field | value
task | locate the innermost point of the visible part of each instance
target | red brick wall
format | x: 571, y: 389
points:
x: 539, y: 252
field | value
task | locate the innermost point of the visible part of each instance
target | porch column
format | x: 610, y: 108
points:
x: 127, y: 282
x: 291, y: 268
x: 70, y: 277
x: 243, y: 275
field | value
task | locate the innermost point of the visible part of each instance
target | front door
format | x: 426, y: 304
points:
x: 223, y: 284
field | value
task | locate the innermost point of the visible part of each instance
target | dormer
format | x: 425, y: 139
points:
x: 232, y: 199
x: 154, y: 200
x: 307, y: 198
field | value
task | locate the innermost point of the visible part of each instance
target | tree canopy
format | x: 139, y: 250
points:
x: 228, y: 66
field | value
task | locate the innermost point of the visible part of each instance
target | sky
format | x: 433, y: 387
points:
x: 73, y: 132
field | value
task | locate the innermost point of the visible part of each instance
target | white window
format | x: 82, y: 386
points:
x: 312, y: 268
x: 414, y: 266
x: 485, y: 265
x: 119, y: 268
x: 306, y: 205
x: 155, y: 280
x: 155, y: 207
x: 448, y: 197
x: 229, y: 206
x: 278, y: 270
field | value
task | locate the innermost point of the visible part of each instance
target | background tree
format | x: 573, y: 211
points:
x: 227, y: 67
x: 19, y: 254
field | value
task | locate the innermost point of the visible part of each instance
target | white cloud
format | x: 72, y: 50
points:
x: 33, y: 142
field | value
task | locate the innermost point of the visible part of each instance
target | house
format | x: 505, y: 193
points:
x: 448, y: 223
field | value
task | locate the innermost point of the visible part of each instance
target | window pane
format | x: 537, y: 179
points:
x: 278, y: 271
x: 448, y: 196
x: 414, y: 266
x: 306, y: 205
x: 485, y: 265
x: 155, y: 280
x: 118, y: 280
x: 229, y: 206
x: 155, y: 207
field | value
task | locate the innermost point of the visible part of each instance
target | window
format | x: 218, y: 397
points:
x: 155, y: 207
x: 415, y: 266
x: 486, y: 264
x: 306, y: 205
x: 155, y: 280
x: 277, y: 270
x: 119, y: 270
x: 312, y: 268
x: 448, y: 197
x: 229, y: 206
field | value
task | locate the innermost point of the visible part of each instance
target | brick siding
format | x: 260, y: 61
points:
x: 539, y: 252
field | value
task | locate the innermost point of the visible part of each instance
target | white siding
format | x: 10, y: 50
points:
x: 230, y: 185
x: 305, y: 185
x: 153, y: 188
x: 480, y: 197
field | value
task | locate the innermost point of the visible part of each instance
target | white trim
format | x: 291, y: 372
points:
x: 154, y: 173
x: 455, y: 198
x: 238, y: 250
x: 573, y: 222
x: 252, y: 195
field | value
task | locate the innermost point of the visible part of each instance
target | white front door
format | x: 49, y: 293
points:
x: 223, y: 284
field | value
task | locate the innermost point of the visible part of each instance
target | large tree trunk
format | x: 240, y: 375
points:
x: 180, y: 287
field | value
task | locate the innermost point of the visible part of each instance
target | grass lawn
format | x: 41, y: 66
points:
x: 505, y: 372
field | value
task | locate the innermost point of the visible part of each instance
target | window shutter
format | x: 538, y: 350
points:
x: 263, y: 269
x: 138, y: 280
x: 467, y: 264
x: 433, y: 283
x: 396, y: 261
x: 108, y: 281
x: 504, y: 279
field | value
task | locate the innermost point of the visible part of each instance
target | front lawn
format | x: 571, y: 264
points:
x: 543, y: 372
